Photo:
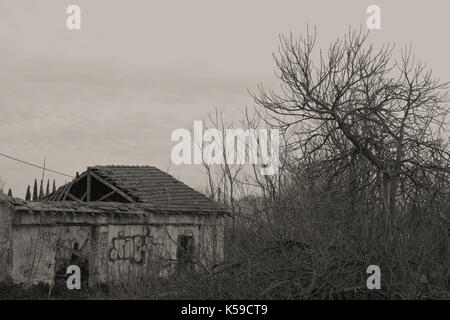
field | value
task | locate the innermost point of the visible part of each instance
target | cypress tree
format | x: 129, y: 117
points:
x: 10, y: 193
x: 47, y: 191
x: 54, y: 186
x: 28, y: 195
x: 35, y: 192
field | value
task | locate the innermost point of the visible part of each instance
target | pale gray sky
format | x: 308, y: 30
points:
x: 112, y: 92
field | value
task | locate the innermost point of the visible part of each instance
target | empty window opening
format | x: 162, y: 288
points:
x: 185, y: 253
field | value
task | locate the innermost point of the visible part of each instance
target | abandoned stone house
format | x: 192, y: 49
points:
x: 114, y: 222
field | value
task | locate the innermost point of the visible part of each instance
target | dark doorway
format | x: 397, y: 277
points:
x: 66, y: 256
x: 185, y: 253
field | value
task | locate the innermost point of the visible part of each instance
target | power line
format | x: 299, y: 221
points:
x: 36, y: 165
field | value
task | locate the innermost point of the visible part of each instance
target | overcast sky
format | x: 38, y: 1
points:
x: 113, y: 92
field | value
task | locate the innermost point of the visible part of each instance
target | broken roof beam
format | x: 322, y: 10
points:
x: 111, y: 186
x: 106, y: 196
x: 71, y: 196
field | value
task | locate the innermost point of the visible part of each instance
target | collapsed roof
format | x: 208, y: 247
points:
x: 133, y: 188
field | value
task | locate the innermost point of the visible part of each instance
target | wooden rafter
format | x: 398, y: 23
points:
x: 89, y: 185
x: 106, y: 196
x: 54, y: 196
x: 71, y: 196
x: 123, y: 194
x: 63, y: 194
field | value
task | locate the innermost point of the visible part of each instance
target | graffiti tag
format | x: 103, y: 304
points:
x: 131, y: 248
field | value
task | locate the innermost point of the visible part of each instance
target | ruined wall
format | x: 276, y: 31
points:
x: 34, y: 251
x: 142, y: 251
x: 72, y: 247
x: 107, y: 251
x: 5, y: 240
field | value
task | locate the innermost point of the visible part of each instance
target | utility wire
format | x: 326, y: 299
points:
x: 35, y: 165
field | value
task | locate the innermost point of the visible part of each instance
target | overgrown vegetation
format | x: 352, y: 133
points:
x: 364, y: 179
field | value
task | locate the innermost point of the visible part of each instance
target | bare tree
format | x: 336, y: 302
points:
x: 223, y: 180
x: 371, y: 122
x: 358, y: 101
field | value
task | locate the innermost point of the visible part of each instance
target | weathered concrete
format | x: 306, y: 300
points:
x: 36, y: 246
x: 5, y: 240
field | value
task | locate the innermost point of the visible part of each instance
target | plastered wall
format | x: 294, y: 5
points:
x: 5, y: 240
x: 109, y: 252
